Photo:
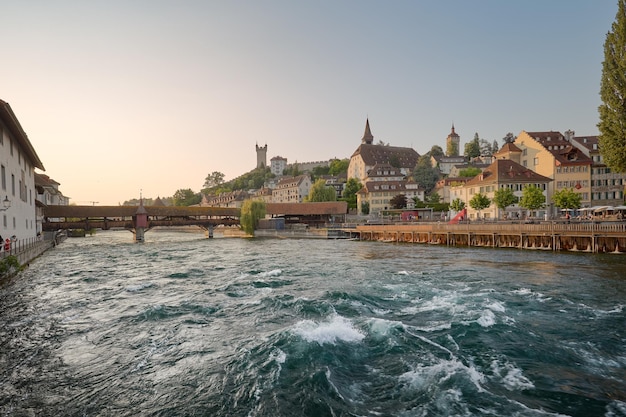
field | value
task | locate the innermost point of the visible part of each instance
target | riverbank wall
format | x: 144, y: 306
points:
x: 606, y: 237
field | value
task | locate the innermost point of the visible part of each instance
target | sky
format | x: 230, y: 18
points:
x: 120, y: 98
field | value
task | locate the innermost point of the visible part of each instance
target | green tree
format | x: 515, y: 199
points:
x: 251, y: 212
x: 472, y: 149
x: 425, y: 174
x: 433, y: 198
x: 214, y: 179
x: 612, y: 125
x: 479, y: 202
x: 398, y: 201
x: 495, y: 147
x: 365, y: 208
x: 436, y: 150
x: 504, y: 197
x: 321, y: 192
x: 452, y: 149
x: 457, y: 204
x: 470, y: 172
x: 186, y: 197
x: 338, y: 166
x: 567, y: 198
x: 320, y: 170
x: 532, y: 198
x: 349, y: 192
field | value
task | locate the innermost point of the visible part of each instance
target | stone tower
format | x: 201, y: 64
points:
x: 261, y: 156
x: 453, y: 143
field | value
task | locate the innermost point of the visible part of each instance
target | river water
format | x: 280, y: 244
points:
x: 186, y: 326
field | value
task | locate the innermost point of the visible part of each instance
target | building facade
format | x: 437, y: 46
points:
x: 382, y: 184
x: 292, y: 189
x: 18, y: 161
x: 278, y: 165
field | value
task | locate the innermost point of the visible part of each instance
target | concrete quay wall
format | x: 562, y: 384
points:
x: 608, y: 237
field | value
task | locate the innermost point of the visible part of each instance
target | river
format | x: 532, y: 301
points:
x: 186, y: 326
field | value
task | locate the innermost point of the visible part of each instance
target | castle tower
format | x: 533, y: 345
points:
x: 453, y: 143
x: 261, y: 156
x: 368, y: 138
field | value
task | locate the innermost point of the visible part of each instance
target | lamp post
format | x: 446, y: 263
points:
x: 6, y: 203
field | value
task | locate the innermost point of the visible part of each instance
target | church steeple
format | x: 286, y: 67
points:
x: 368, y: 138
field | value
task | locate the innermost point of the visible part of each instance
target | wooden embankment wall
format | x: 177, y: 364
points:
x: 607, y: 237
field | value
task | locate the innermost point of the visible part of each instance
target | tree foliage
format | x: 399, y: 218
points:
x: 452, y: 149
x: 509, y: 138
x: 436, y: 150
x: 321, y: 192
x: 251, y: 212
x: 479, y: 202
x: 352, y: 186
x: 365, y: 208
x: 532, y: 198
x: 504, y: 197
x: 567, y: 198
x: 472, y: 149
x: 612, y: 125
x: 457, y: 204
x: 186, y: 197
x: 425, y: 174
x: 338, y: 166
x: 469, y: 172
x: 398, y: 201
x: 214, y: 179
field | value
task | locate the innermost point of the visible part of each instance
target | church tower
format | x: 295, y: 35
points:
x: 261, y: 156
x: 453, y: 143
x: 368, y: 138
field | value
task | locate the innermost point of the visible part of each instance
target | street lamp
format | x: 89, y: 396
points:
x: 6, y: 203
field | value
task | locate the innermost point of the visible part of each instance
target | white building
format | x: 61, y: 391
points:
x: 292, y: 189
x: 278, y: 165
x: 18, y: 161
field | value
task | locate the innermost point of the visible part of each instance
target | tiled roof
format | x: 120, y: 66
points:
x: 562, y: 150
x: 505, y: 171
x: 508, y: 147
x: 379, y: 154
x: 588, y: 142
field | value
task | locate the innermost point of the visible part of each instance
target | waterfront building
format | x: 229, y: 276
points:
x: 48, y: 194
x: 607, y: 187
x: 553, y: 155
x: 444, y: 185
x: 18, y: 161
x: 292, y: 189
x: 367, y: 155
x: 383, y: 183
x: 229, y: 199
x: 503, y: 173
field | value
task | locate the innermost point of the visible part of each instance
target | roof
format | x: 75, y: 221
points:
x: 507, y: 148
x: 563, y: 151
x: 44, y: 180
x: 379, y: 154
x: 588, y: 142
x: 367, y: 135
x: 397, y: 186
x: 506, y: 171
x: 10, y: 121
x: 291, y: 181
x: 294, y: 209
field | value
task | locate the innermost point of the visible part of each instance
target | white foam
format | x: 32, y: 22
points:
x: 380, y: 327
x: 487, y: 319
x: 272, y: 273
x: 496, y: 306
x: 436, y: 374
x: 403, y: 273
x: 511, y: 376
x: 338, y: 328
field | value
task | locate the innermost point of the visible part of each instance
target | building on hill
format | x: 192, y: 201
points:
x: 453, y: 144
x: 446, y: 163
x: 309, y: 166
x: 367, y: 155
x: 261, y: 156
x: 503, y: 173
x: 607, y: 187
x: 292, y: 189
x: 382, y: 184
x: 278, y: 165
x: 18, y: 195
x: 554, y: 156
x: 228, y: 199
x: 509, y: 151
x: 443, y: 186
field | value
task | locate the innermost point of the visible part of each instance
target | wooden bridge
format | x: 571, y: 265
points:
x: 603, y: 237
x: 132, y: 217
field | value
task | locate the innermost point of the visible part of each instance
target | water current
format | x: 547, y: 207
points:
x: 186, y: 326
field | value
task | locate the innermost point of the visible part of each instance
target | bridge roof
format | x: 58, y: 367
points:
x: 127, y: 211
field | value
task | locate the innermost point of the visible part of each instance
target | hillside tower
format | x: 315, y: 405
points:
x: 261, y: 156
x: 453, y: 143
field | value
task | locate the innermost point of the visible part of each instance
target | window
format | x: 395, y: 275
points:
x: 536, y: 161
x: 4, y: 178
x: 13, y: 184
x: 524, y: 163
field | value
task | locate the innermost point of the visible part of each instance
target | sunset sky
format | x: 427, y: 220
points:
x: 122, y: 96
